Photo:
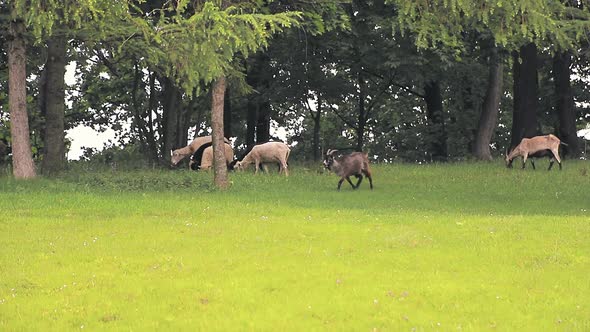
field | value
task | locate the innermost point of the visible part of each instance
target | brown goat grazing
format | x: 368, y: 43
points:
x: 345, y: 166
x: 536, y: 147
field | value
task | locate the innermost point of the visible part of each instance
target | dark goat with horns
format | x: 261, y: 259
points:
x: 345, y: 166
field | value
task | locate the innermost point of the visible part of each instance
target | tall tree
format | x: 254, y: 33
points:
x: 436, y: 119
x: 565, y: 102
x: 489, y: 113
x: 526, y: 94
x: 219, y: 164
x: 22, y: 159
x: 53, y: 105
x: 171, y: 117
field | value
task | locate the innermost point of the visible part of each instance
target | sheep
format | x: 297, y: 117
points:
x: 356, y: 163
x: 270, y: 152
x: 204, y: 159
x: 536, y: 147
x: 177, y: 155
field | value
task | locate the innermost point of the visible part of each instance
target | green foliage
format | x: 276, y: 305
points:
x: 511, y: 23
x: 426, y: 250
x: 43, y: 17
x: 202, y: 47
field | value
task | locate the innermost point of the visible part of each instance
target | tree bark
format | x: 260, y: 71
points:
x: 258, y: 120
x: 362, y: 114
x: 565, y: 103
x: 316, y: 130
x: 182, y: 123
x: 136, y: 106
x: 219, y: 162
x: 526, y: 86
x: 489, y: 113
x: 151, y: 137
x: 227, y: 114
x: 436, y: 121
x: 263, y: 122
x: 251, y: 122
x: 54, y: 106
x: 170, y: 118
x: 22, y: 158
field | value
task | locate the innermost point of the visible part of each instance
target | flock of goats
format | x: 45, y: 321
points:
x: 344, y: 165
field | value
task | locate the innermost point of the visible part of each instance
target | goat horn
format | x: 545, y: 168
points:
x: 171, y: 153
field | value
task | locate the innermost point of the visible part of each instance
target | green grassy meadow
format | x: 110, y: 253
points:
x: 453, y: 247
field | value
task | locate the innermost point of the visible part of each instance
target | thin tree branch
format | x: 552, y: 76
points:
x: 107, y: 62
x: 348, y: 123
x: 403, y: 87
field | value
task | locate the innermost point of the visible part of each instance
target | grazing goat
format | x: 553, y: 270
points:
x: 232, y: 165
x: 536, y: 147
x: 356, y: 163
x: 177, y: 155
x: 270, y: 152
x: 207, y: 157
x: 542, y: 154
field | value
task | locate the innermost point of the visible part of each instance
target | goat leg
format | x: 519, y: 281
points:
x: 360, y: 179
x: 348, y: 179
x: 340, y: 183
x: 368, y: 175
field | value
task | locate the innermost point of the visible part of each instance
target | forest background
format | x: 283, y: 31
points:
x: 407, y: 81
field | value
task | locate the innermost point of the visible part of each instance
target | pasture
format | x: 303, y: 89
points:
x: 466, y: 246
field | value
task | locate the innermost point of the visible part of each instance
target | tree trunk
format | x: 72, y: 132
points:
x: 182, y: 120
x: 258, y: 104
x: 139, y: 124
x: 524, y: 118
x: 436, y: 121
x: 227, y: 115
x: 316, y: 131
x: 263, y: 123
x: 151, y: 138
x: 197, y: 111
x: 362, y: 116
x: 22, y: 159
x: 219, y: 162
x: 53, y: 106
x: 489, y: 113
x: 170, y: 118
x: 565, y: 103
x: 251, y: 123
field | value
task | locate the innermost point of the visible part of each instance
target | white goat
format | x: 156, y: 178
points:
x: 271, y: 152
x: 535, y: 147
x: 177, y: 155
x: 207, y: 157
x: 356, y: 163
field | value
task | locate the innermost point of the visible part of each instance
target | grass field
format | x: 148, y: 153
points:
x: 468, y: 246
